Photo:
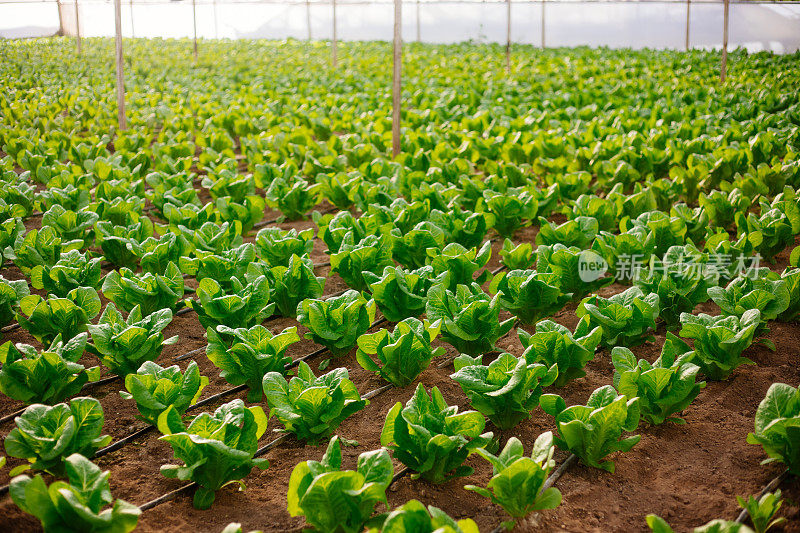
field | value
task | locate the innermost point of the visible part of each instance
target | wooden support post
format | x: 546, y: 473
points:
x: 396, y: 83
x: 543, y: 45
x: 123, y: 122
x: 508, y: 36
x: 77, y: 27
x: 419, y: 33
x: 334, y: 58
x: 308, y: 18
x: 194, y: 25
x: 688, y: 19
x: 724, y: 66
x: 130, y: 6
x: 61, y: 31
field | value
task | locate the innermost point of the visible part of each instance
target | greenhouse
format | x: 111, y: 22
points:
x: 433, y: 266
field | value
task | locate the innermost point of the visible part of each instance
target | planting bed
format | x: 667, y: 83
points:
x: 252, y: 106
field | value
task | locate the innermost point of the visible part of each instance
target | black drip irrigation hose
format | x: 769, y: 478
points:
x: 771, y: 486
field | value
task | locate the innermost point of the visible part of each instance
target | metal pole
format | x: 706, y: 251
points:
x: 308, y: 18
x: 194, y: 22
x: 688, y: 17
x: 123, y: 122
x: 133, y: 36
x: 396, y: 83
x: 334, y: 59
x: 508, y: 36
x: 419, y: 33
x: 216, y: 23
x: 77, y: 27
x: 543, y: 45
x: 724, y: 66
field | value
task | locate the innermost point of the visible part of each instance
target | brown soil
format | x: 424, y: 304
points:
x: 688, y: 474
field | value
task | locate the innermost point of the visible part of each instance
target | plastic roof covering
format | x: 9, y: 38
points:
x: 636, y: 24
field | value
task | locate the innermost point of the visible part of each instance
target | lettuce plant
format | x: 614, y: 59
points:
x: 722, y: 207
x: 625, y: 252
x: 337, y: 322
x: 763, y: 291
x: 762, y: 511
x: 401, y: 293
x: 681, y: 280
x: 222, y: 267
x: 569, y: 264
x: 119, y: 243
x: 412, y: 249
x: 155, y: 389
x: 11, y: 293
x: 47, y: 377
x: 594, y: 431
x: 665, y: 387
x: 777, y: 426
x: 67, y: 317
x: 10, y: 231
x: 72, y: 270
x: 432, y: 438
x: 155, y: 254
x: 318, y: 488
x: 293, y: 199
x: 519, y: 257
x: 71, y: 225
x: 243, y: 306
x: 215, y: 238
x: 76, y: 504
x: 151, y: 292
x: 791, y: 275
x: 506, y: 390
x: 554, y: 344
x: 460, y: 225
x: 510, y: 210
x: 603, y: 210
x: 469, y: 319
x: 69, y: 197
x: 735, y: 257
x: 413, y: 516
x: 695, y: 219
x: 247, y: 212
x: 312, y: 407
x: 663, y: 230
x: 334, y: 228
x: 46, y: 435
x: 529, y: 295
x: 773, y: 231
x: 246, y: 355
x: 579, y: 232
x: 291, y: 284
x: 460, y: 263
x: 402, y: 354
x: 371, y: 254
x: 124, y: 344
x: 517, y: 481
x: 625, y: 318
x: 216, y: 449
x: 276, y: 246
x: 718, y: 525
x: 719, y: 341
x: 39, y: 247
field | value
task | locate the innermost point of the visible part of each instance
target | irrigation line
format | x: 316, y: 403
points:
x: 772, y: 485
